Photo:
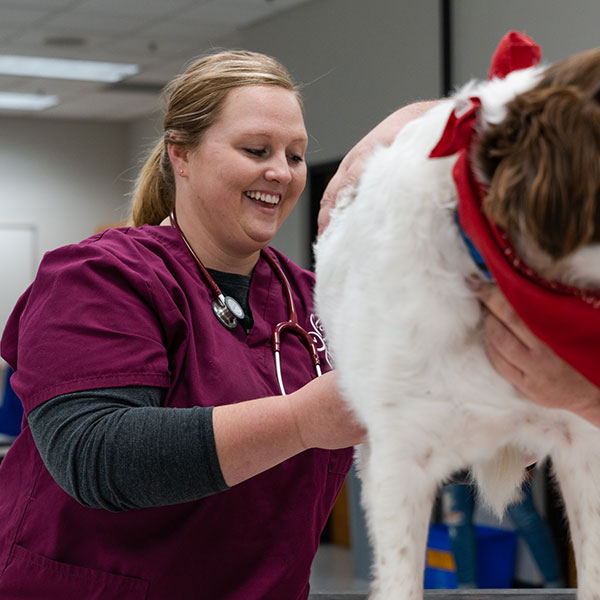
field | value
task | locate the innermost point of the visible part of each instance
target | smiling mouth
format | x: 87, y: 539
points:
x: 272, y: 199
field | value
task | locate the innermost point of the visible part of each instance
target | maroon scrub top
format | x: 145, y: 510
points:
x: 129, y: 307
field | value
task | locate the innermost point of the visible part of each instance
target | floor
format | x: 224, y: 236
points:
x: 332, y: 571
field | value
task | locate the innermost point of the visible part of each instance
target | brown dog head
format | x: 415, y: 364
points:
x: 542, y: 161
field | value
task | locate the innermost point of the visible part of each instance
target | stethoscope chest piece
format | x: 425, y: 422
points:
x: 233, y: 305
x: 228, y: 311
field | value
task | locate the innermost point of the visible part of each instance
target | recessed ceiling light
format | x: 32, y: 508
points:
x: 14, y: 101
x: 64, y: 68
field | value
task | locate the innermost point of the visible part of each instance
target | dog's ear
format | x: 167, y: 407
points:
x: 543, y: 166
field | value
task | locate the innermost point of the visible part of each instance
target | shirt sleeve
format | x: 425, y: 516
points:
x: 119, y: 449
x: 88, y: 321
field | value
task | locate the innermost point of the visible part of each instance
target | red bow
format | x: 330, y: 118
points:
x: 515, y: 51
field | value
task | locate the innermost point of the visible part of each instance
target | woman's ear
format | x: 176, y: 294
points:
x: 178, y: 155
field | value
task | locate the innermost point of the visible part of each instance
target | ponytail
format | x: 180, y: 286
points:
x: 154, y: 193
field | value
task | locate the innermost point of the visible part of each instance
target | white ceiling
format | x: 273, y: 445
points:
x: 158, y: 35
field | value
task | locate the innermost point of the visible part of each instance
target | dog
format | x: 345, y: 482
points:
x: 404, y: 327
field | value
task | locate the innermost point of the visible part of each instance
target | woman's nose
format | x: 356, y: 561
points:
x: 278, y: 169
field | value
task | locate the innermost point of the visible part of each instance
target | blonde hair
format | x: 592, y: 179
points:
x: 194, y: 102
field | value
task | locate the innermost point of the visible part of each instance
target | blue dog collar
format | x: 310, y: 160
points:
x: 475, y: 255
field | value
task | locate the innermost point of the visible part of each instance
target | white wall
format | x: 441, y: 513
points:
x: 141, y: 137
x: 62, y: 179
x: 560, y: 27
x: 65, y: 177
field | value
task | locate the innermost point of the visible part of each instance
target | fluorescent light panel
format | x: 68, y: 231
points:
x: 64, y: 68
x: 13, y: 101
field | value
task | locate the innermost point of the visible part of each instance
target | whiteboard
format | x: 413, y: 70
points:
x: 18, y: 262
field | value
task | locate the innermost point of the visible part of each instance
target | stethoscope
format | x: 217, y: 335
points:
x: 229, y: 312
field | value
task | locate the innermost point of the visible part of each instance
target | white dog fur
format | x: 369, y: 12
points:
x: 404, y: 330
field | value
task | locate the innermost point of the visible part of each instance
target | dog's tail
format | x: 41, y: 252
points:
x: 499, y: 479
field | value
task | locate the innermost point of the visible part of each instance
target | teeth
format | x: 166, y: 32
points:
x: 268, y: 198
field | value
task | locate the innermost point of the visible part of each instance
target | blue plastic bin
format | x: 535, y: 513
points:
x: 496, y: 552
x: 440, y: 568
x: 11, y: 409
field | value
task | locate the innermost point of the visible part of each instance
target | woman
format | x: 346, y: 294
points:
x: 160, y: 459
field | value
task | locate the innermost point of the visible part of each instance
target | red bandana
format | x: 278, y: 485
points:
x: 567, y: 319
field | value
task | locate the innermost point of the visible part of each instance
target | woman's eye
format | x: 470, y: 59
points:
x: 255, y: 151
x: 296, y: 158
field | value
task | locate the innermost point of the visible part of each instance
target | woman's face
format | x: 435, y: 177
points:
x: 243, y: 179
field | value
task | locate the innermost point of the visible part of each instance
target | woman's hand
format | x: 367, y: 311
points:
x: 351, y: 166
x: 530, y: 365
x: 323, y: 418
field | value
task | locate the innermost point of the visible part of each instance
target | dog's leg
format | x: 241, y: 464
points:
x: 577, y: 468
x: 398, y: 502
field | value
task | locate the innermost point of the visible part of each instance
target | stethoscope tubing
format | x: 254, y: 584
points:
x: 228, y: 319
x: 292, y: 325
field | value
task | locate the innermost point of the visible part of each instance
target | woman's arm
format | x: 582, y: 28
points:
x: 531, y: 366
x: 254, y: 436
x: 120, y: 449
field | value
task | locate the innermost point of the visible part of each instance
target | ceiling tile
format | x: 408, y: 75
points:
x: 42, y: 4
x: 139, y: 8
x: 163, y: 71
x: 187, y: 29
x: 239, y: 13
x: 105, y: 106
x: 228, y: 12
x: 8, y: 83
x: 34, y: 43
x: 11, y: 18
x: 79, y: 22
x: 60, y: 87
x: 150, y: 47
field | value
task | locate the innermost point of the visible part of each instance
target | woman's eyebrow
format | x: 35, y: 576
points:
x: 266, y: 134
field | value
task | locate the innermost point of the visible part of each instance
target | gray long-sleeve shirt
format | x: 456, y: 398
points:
x: 118, y: 448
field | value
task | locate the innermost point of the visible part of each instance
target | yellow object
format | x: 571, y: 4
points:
x: 440, y: 559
